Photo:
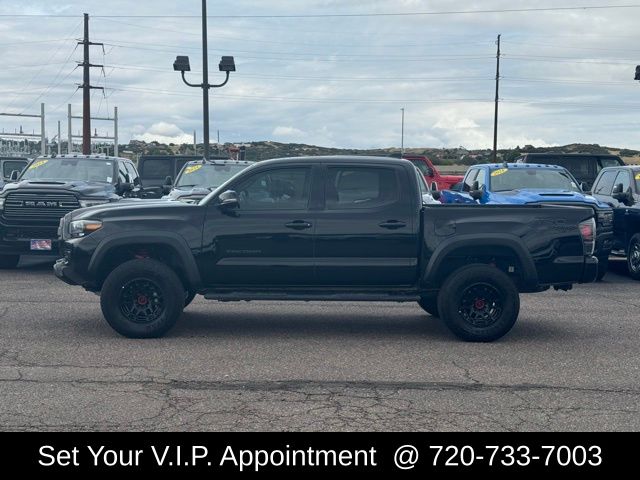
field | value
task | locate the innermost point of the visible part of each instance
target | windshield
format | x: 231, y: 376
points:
x: 207, y: 175
x: 505, y: 179
x: 70, y: 169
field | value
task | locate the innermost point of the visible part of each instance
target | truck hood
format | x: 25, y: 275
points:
x: 180, y: 192
x: 130, y: 207
x: 526, y: 196
x: 81, y: 188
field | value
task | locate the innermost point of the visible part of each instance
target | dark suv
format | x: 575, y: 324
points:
x: 620, y: 187
x: 8, y: 165
x: 584, y: 167
x: 49, y: 188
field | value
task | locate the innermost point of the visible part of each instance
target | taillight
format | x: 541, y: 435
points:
x: 588, y: 234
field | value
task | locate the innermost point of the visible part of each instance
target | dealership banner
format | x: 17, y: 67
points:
x: 400, y: 454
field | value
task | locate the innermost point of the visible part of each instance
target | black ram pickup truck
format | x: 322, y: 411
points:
x: 324, y: 228
x: 50, y: 187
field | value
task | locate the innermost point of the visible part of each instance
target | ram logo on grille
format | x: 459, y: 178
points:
x: 41, y: 204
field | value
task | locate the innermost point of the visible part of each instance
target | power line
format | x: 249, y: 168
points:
x: 350, y: 15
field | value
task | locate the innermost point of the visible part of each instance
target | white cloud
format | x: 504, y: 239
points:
x: 164, y: 133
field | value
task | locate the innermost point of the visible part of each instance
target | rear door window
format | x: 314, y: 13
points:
x: 155, y: 168
x: 361, y: 187
x: 609, y: 162
x: 581, y: 167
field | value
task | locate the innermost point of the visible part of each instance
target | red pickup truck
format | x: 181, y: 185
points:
x: 431, y: 173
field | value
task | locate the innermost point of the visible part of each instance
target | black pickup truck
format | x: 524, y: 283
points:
x: 50, y: 187
x: 620, y: 188
x: 324, y: 228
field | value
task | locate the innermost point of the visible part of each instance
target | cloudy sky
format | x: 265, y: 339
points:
x: 334, y: 80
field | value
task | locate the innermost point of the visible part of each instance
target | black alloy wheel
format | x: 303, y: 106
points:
x: 480, y: 305
x: 141, y: 301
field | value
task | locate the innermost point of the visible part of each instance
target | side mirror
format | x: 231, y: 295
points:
x: 14, y: 176
x: 430, y: 172
x: 124, y: 187
x: 623, y: 197
x: 167, y: 186
x: 228, y: 200
x: 434, y: 187
x: 476, y: 192
x: 584, y: 187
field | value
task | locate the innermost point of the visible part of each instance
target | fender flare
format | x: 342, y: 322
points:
x: 149, y: 237
x: 483, y: 240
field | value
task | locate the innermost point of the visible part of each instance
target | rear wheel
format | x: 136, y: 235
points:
x: 633, y: 257
x: 9, y: 262
x: 479, y: 303
x: 142, y: 298
x: 430, y: 305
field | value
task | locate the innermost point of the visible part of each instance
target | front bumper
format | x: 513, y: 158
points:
x: 17, y: 240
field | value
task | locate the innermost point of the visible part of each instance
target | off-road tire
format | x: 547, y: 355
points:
x: 142, y: 298
x: 479, y: 303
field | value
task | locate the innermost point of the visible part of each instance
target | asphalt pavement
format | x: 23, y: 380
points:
x: 570, y: 363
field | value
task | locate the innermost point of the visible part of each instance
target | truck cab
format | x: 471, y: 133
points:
x: 620, y: 188
x: 49, y: 188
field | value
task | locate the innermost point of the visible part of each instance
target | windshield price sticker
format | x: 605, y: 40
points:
x: 500, y: 171
x: 192, y: 169
x: 37, y: 164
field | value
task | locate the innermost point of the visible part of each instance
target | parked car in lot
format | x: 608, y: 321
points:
x: 154, y: 170
x: 324, y: 228
x: 620, y: 188
x: 9, y: 165
x: 49, y: 188
x: 199, y: 178
x: 531, y: 184
x: 431, y: 173
x: 584, y: 167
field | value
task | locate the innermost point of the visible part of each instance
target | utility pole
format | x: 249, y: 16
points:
x: 86, y: 88
x: 495, y: 115
x: 402, y: 136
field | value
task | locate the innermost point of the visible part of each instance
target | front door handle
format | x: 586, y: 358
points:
x: 298, y: 225
x: 392, y: 224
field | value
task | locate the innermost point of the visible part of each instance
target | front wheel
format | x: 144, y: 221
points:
x: 633, y: 257
x: 142, y: 298
x: 479, y: 303
x: 9, y: 262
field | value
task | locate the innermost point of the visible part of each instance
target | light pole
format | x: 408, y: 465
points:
x: 226, y: 65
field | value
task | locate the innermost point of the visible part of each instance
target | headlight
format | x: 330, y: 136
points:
x: 91, y: 203
x: 80, y: 228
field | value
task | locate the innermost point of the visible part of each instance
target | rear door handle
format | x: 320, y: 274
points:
x: 392, y: 224
x: 298, y: 225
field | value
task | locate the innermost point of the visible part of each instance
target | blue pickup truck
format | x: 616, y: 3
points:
x: 531, y: 184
